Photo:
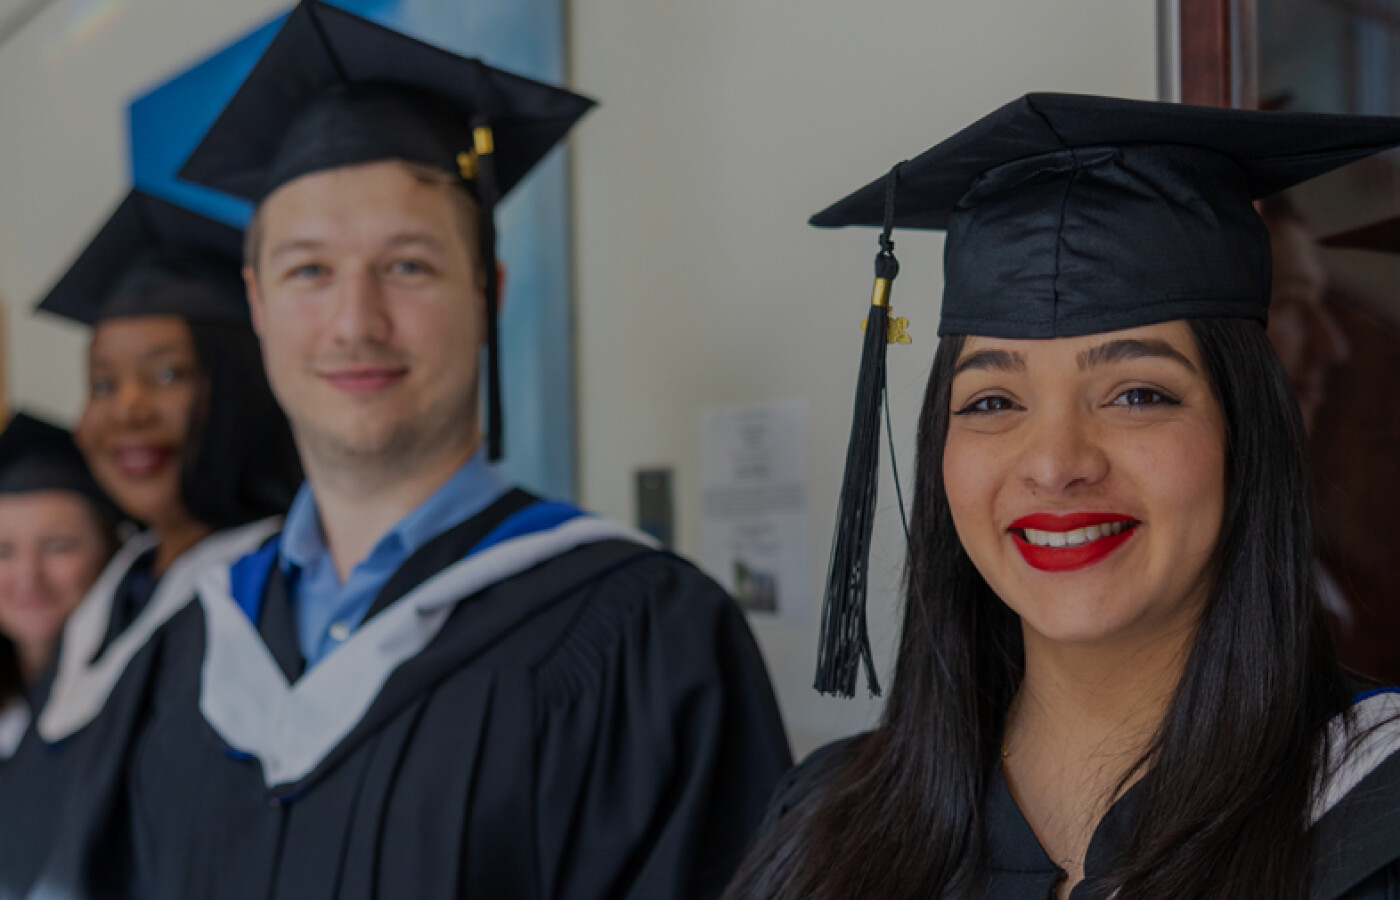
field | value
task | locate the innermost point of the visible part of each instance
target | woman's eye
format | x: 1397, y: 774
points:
x: 165, y: 376
x: 986, y: 405
x: 60, y: 546
x: 1141, y: 396
x: 101, y: 387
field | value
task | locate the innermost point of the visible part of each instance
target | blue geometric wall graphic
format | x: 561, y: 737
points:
x: 521, y: 36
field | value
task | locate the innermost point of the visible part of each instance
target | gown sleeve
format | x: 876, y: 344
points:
x: 658, y: 741
x: 1383, y: 885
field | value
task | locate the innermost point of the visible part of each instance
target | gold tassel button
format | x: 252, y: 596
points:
x: 484, y: 140
x: 466, y: 164
x: 895, y: 332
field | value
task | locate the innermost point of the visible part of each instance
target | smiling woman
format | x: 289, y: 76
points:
x: 1076, y: 435
x: 181, y: 431
x: 1113, y: 680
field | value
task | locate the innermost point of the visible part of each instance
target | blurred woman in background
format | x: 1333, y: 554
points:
x: 57, y: 531
x: 181, y: 430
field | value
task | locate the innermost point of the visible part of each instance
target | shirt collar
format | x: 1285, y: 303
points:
x: 472, y: 488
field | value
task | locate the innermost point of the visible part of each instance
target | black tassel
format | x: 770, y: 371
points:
x: 484, y: 141
x: 845, y: 640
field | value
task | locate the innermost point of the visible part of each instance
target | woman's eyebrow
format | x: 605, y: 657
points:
x: 1004, y: 360
x: 1117, y: 351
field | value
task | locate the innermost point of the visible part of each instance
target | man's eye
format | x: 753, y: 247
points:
x: 101, y: 387
x: 986, y: 406
x: 408, y: 267
x: 1141, y: 396
x: 307, y: 270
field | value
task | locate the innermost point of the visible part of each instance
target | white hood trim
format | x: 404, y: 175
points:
x: 290, y: 729
x: 81, y: 688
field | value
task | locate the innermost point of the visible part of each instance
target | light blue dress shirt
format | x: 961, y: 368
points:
x: 327, y: 611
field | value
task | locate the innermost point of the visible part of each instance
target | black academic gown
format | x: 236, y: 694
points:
x: 1356, y: 842
x: 596, y: 724
x: 14, y: 721
x: 66, y: 785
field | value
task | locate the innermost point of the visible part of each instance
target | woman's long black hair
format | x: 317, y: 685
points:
x: 241, y: 463
x: 1225, y: 800
x: 11, y: 680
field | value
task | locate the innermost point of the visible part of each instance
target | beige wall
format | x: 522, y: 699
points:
x: 724, y: 125
x: 65, y: 81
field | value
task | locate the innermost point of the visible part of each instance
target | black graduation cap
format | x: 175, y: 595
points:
x: 38, y: 456
x: 154, y: 258
x: 1070, y: 215
x: 335, y: 89
x: 1382, y: 236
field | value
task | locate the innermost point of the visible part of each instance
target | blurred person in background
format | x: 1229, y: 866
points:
x: 181, y: 431
x: 1304, y: 333
x: 57, y: 531
x: 1309, y: 342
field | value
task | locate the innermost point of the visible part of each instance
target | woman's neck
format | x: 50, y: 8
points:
x: 174, y: 539
x: 1080, y: 724
x: 33, y: 657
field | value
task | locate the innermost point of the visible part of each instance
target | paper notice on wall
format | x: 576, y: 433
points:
x: 753, y: 485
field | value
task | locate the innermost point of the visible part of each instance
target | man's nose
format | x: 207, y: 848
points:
x: 361, y: 315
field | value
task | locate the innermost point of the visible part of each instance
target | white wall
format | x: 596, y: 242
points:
x: 724, y: 125
x: 65, y: 81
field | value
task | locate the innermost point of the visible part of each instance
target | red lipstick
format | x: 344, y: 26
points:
x: 1106, y: 532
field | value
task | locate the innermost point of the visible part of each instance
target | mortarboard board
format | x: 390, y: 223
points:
x: 1382, y: 236
x: 38, y: 456
x: 1069, y: 215
x: 154, y: 258
x: 334, y: 89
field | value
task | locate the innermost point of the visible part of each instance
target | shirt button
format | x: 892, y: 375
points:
x: 339, y: 631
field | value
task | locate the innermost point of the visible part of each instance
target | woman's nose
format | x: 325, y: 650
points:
x: 132, y: 402
x: 1060, y: 453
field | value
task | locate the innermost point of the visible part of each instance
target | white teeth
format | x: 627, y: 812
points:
x: 1076, y: 538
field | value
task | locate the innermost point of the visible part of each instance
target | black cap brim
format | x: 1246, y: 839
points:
x: 1275, y: 150
x: 38, y: 456
x: 320, y: 48
x: 154, y: 258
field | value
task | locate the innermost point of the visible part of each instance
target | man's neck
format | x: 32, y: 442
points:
x: 357, y: 508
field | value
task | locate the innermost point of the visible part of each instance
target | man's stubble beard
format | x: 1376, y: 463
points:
x: 390, y: 452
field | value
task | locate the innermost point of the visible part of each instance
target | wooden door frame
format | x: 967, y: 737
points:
x: 1217, y: 62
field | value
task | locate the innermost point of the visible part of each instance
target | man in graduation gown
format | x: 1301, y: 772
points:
x: 430, y: 684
